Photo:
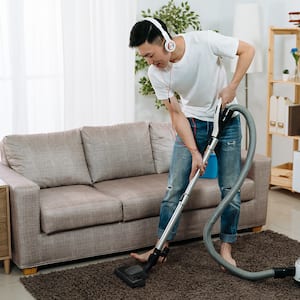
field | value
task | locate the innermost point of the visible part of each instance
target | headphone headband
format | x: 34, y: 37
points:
x: 169, y: 43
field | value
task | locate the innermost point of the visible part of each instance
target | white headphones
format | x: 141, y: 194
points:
x: 169, y: 43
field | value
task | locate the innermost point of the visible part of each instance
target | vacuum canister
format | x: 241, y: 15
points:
x: 297, y: 271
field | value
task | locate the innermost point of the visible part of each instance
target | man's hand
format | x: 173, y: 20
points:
x: 245, y: 53
x: 227, y: 94
x: 197, y: 163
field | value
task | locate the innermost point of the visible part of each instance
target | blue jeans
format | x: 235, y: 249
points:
x: 228, y: 152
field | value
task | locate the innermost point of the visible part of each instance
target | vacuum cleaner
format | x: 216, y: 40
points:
x: 136, y: 275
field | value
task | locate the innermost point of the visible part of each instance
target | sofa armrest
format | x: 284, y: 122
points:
x: 24, y: 199
x: 260, y: 169
x: 260, y: 173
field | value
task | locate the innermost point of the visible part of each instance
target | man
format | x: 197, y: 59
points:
x: 191, y: 65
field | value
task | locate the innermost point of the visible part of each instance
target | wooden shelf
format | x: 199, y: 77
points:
x: 282, y: 175
x: 285, y: 82
x: 283, y: 30
x: 294, y: 137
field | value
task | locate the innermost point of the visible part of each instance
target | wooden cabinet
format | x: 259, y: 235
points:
x: 5, y: 241
x: 282, y: 174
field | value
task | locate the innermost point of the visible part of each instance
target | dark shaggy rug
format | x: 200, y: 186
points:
x: 189, y: 273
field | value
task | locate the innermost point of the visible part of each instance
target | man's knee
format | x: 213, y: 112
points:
x: 236, y: 201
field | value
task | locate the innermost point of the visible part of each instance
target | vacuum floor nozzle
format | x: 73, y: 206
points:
x: 134, y: 276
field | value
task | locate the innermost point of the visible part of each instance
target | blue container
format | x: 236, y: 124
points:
x: 211, y: 170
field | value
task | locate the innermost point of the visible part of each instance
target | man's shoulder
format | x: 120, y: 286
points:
x: 199, y: 35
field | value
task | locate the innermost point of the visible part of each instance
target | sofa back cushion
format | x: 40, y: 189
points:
x: 118, y: 151
x: 162, y: 141
x: 48, y: 159
x: 2, y: 155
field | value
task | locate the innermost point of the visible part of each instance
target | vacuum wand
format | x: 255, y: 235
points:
x: 159, y: 247
x: 185, y: 196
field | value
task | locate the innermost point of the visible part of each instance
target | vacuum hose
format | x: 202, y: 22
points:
x: 277, y: 272
x: 136, y: 275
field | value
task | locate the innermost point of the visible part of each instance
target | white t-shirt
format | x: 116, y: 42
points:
x: 199, y: 75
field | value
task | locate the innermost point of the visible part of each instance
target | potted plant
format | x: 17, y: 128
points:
x: 285, y: 75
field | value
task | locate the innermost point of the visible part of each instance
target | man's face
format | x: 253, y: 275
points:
x: 155, y: 54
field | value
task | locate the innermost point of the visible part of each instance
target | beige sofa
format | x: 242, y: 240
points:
x: 97, y: 190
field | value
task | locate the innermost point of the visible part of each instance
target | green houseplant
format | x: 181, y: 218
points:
x: 178, y: 20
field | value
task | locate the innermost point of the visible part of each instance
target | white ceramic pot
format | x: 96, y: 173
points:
x: 285, y: 77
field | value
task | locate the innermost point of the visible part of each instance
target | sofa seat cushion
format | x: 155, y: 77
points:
x: 118, y: 151
x: 48, y: 159
x: 69, y: 207
x: 206, y: 193
x: 141, y: 196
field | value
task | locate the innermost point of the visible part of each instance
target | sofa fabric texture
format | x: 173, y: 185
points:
x: 113, y: 152
x: 50, y: 159
x: 162, y: 139
x: 97, y: 190
x: 71, y: 207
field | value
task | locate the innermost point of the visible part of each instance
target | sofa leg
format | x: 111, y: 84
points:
x: 257, y: 229
x: 29, y: 271
x: 6, y: 266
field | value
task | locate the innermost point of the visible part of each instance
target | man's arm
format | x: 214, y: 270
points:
x: 245, y: 54
x: 183, y: 129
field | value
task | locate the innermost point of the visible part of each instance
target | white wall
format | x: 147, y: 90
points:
x: 218, y: 14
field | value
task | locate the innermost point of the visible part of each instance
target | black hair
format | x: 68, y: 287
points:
x: 145, y: 31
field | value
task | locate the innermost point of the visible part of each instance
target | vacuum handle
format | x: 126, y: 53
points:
x: 221, y: 118
x: 225, y: 117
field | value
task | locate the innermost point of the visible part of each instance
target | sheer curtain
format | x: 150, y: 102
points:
x: 65, y: 64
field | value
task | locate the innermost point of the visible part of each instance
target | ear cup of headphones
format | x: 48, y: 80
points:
x: 170, y: 45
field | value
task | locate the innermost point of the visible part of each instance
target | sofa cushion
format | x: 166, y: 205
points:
x: 141, y: 196
x: 118, y: 151
x: 162, y: 141
x: 48, y: 159
x: 2, y: 155
x: 206, y: 193
x: 69, y: 207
